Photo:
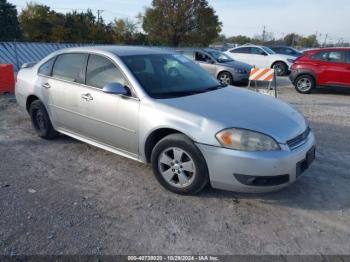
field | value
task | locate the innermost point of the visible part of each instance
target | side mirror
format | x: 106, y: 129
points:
x: 115, y: 88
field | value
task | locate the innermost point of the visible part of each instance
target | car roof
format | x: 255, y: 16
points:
x: 328, y: 49
x: 120, y: 50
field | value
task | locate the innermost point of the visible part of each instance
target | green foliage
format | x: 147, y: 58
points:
x: 294, y: 39
x: 9, y: 27
x: 181, y: 22
x: 240, y: 39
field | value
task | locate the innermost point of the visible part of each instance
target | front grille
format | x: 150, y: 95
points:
x: 299, y: 140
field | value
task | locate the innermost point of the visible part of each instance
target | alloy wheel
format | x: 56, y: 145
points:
x: 225, y: 79
x: 304, y: 84
x: 177, y: 167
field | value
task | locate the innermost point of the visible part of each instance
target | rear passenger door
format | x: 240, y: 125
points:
x: 241, y: 54
x: 111, y: 119
x: 64, y: 89
x: 347, y: 69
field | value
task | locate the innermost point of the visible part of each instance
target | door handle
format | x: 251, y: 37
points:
x: 87, y: 97
x: 46, y: 85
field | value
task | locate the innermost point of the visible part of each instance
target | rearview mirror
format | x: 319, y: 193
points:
x: 115, y: 88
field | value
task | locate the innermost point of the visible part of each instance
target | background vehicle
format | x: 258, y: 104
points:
x: 262, y: 57
x: 157, y: 106
x: 321, y: 67
x: 286, y: 50
x: 219, y: 65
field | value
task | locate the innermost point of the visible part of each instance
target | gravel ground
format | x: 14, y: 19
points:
x: 66, y: 197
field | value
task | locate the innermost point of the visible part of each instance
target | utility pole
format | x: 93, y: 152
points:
x: 264, y: 34
x: 99, y: 12
x: 316, y: 34
x: 325, y: 40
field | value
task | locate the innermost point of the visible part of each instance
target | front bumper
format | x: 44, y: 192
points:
x: 241, y: 78
x: 225, y: 164
x: 293, y: 75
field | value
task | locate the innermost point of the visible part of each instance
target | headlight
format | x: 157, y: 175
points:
x: 240, y: 71
x: 290, y: 60
x: 246, y: 140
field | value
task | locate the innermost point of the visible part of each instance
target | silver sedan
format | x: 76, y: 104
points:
x: 219, y: 65
x: 157, y: 106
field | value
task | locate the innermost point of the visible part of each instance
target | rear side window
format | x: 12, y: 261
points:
x: 329, y: 56
x: 45, y: 69
x: 241, y: 50
x: 68, y: 67
x: 101, y: 71
x: 347, y: 57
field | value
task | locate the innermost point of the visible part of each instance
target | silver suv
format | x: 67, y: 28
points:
x: 157, y: 106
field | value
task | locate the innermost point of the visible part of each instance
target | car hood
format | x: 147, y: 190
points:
x: 236, y: 107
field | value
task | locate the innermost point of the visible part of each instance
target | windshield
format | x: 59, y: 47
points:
x: 220, y: 57
x: 169, y: 75
x: 268, y: 50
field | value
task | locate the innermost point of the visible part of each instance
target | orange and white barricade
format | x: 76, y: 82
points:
x: 263, y: 75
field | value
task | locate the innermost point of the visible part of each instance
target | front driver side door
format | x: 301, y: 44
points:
x: 112, y: 120
x: 206, y: 62
x: 259, y: 57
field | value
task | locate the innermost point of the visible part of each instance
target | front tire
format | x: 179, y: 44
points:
x: 304, y: 84
x: 281, y: 68
x: 225, y: 78
x: 178, y: 165
x: 41, y: 120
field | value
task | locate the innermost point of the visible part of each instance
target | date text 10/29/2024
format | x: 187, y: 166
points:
x: 173, y: 258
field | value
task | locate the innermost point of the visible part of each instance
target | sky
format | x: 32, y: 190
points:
x: 245, y: 17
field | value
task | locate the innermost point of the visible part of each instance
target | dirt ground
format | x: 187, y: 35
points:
x: 66, y: 197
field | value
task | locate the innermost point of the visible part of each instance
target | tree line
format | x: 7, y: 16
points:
x: 165, y: 22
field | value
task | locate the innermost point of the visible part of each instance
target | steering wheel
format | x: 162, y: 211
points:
x: 174, y: 72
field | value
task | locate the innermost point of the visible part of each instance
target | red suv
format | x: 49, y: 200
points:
x: 321, y: 67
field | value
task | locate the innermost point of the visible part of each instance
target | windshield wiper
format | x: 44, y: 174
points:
x: 214, y: 87
x: 190, y: 92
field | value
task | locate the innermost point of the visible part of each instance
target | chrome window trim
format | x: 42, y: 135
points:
x: 85, y: 85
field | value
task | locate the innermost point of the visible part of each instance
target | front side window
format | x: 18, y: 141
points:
x: 45, y: 69
x: 101, y: 71
x: 257, y: 51
x: 202, y: 57
x: 220, y: 57
x: 268, y: 50
x: 172, y: 75
x: 69, y: 67
x: 241, y: 50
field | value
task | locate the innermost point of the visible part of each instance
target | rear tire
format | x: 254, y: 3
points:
x: 304, y: 84
x: 178, y: 165
x: 281, y: 68
x: 41, y: 120
x: 225, y: 78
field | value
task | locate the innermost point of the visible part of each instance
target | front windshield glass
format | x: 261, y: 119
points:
x: 220, y: 57
x: 268, y: 50
x: 169, y: 75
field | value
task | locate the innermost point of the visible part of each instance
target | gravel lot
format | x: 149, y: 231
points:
x: 66, y: 197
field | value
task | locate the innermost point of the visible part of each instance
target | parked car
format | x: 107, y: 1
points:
x: 158, y: 106
x: 220, y: 65
x: 321, y: 67
x: 286, y: 50
x: 262, y: 57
